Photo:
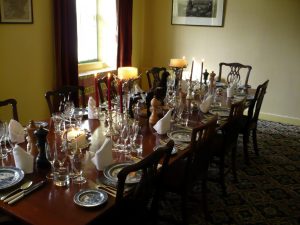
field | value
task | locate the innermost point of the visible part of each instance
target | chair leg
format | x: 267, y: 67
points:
x: 222, y: 176
x: 255, y: 142
x: 245, y: 147
x: 233, y: 163
x: 184, y: 209
x: 204, y: 200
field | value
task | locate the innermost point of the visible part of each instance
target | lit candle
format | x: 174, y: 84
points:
x: 96, y: 90
x: 178, y: 63
x: 121, y: 95
x: 127, y: 73
x: 108, y: 91
x: 192, y: 69
x: 201, y: 71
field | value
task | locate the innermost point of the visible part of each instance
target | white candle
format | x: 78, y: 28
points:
x: 179, y: 63
x: 127, y: 73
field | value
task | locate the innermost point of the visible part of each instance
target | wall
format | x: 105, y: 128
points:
x: 264, y: 34
x: 27, y: 62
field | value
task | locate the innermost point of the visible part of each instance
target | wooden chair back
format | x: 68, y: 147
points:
x: 199, y: 158
x: 66, y: 93
x: 234, y: 71
x: 102, y: 88
x: 233, y: 126
x: 13, y: 104
x: 256, y: 103
x: 149, y: 185
x: 154, y: 76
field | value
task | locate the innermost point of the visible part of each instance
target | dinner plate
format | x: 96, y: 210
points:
x: 9, y: 176
x: 180, y: 135
x: 90, y: 197
x: 111, y: 173
x: 174, y: 150
x: 221, y: 112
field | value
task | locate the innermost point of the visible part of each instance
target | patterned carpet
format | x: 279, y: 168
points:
x: 267, y: 192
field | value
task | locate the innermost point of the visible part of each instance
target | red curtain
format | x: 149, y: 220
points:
x: 65, y: 23
x: 124, y: 12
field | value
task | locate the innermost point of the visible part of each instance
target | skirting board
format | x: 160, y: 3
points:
x: 279, y: 118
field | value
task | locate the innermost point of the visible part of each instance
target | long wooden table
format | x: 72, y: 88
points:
x: 54, y: 205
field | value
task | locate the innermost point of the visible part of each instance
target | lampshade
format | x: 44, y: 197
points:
x: 179, y: 63
x: 127, y: 73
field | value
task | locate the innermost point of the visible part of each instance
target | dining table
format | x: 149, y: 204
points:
x: 51, y: 204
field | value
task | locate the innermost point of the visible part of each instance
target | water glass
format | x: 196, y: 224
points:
x: 61, y: 176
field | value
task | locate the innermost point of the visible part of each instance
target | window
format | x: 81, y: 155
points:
x: 97, y: 33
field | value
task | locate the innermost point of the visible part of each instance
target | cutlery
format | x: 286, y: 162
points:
x: 97, y: 186
x: 21, y: 188
x: 26, y: 192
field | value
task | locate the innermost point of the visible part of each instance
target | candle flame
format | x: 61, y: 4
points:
x: 108, y: 75
x: 202, y: 60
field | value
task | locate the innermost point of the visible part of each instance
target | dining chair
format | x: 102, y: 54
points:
x: 141, y: 205
x: 13, y: 103
x: 66, y: 93
x: 225, y: 145
x: 154, y: 76
x: 249, y: 121
x: 102, y: 88
x: 233, y: 70
x: 182, y: 176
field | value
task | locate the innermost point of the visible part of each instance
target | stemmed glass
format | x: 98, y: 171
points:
x: 7, y: 139
x: 69, y: 110
x: 78, y: 164
x: 60, y: 148
x: 3, y: 153
x: 51, y: 157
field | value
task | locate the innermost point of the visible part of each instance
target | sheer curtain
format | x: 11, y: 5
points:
x: 65, y: 30
x: 124, y: 12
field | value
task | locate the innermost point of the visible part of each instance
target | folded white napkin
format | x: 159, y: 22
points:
x: 205, y: 105
x: 23, y: 159
x: 164, y: 124
x: 92, y: 109
x: 103, y: 157
x: 16, y: 132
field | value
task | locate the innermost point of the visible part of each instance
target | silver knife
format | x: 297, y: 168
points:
x: 20, y: 195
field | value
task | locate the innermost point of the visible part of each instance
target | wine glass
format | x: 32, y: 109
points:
x: 3, y: 153
x: 51, y: 157
x: 69, y: 110
x: 60, y: 148
x: 78, y: 164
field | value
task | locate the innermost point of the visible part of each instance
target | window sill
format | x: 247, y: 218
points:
x: 93, y: 68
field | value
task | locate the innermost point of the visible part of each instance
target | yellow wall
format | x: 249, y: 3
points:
x: 27, y: 62
x: 264, y: 34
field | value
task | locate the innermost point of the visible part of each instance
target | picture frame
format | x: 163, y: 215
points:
x: 198, y: 12
x: 16, y: 11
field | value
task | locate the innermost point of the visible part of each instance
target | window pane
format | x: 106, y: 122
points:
x: 108, y: 35
x: 87, y: 30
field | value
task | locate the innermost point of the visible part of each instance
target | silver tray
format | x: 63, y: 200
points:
x: 90, y: 197
x: 180, y: 135
x: 111, y: 173
x: 10, y: 176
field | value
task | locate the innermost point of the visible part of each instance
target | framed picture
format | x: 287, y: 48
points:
x: 16, y: 11
x: 198, y: 12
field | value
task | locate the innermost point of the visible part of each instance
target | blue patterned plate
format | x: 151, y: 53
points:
x: 90, y: 197
x: 111, y: 173
x: 9, y: 176
x: 180, y: 135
